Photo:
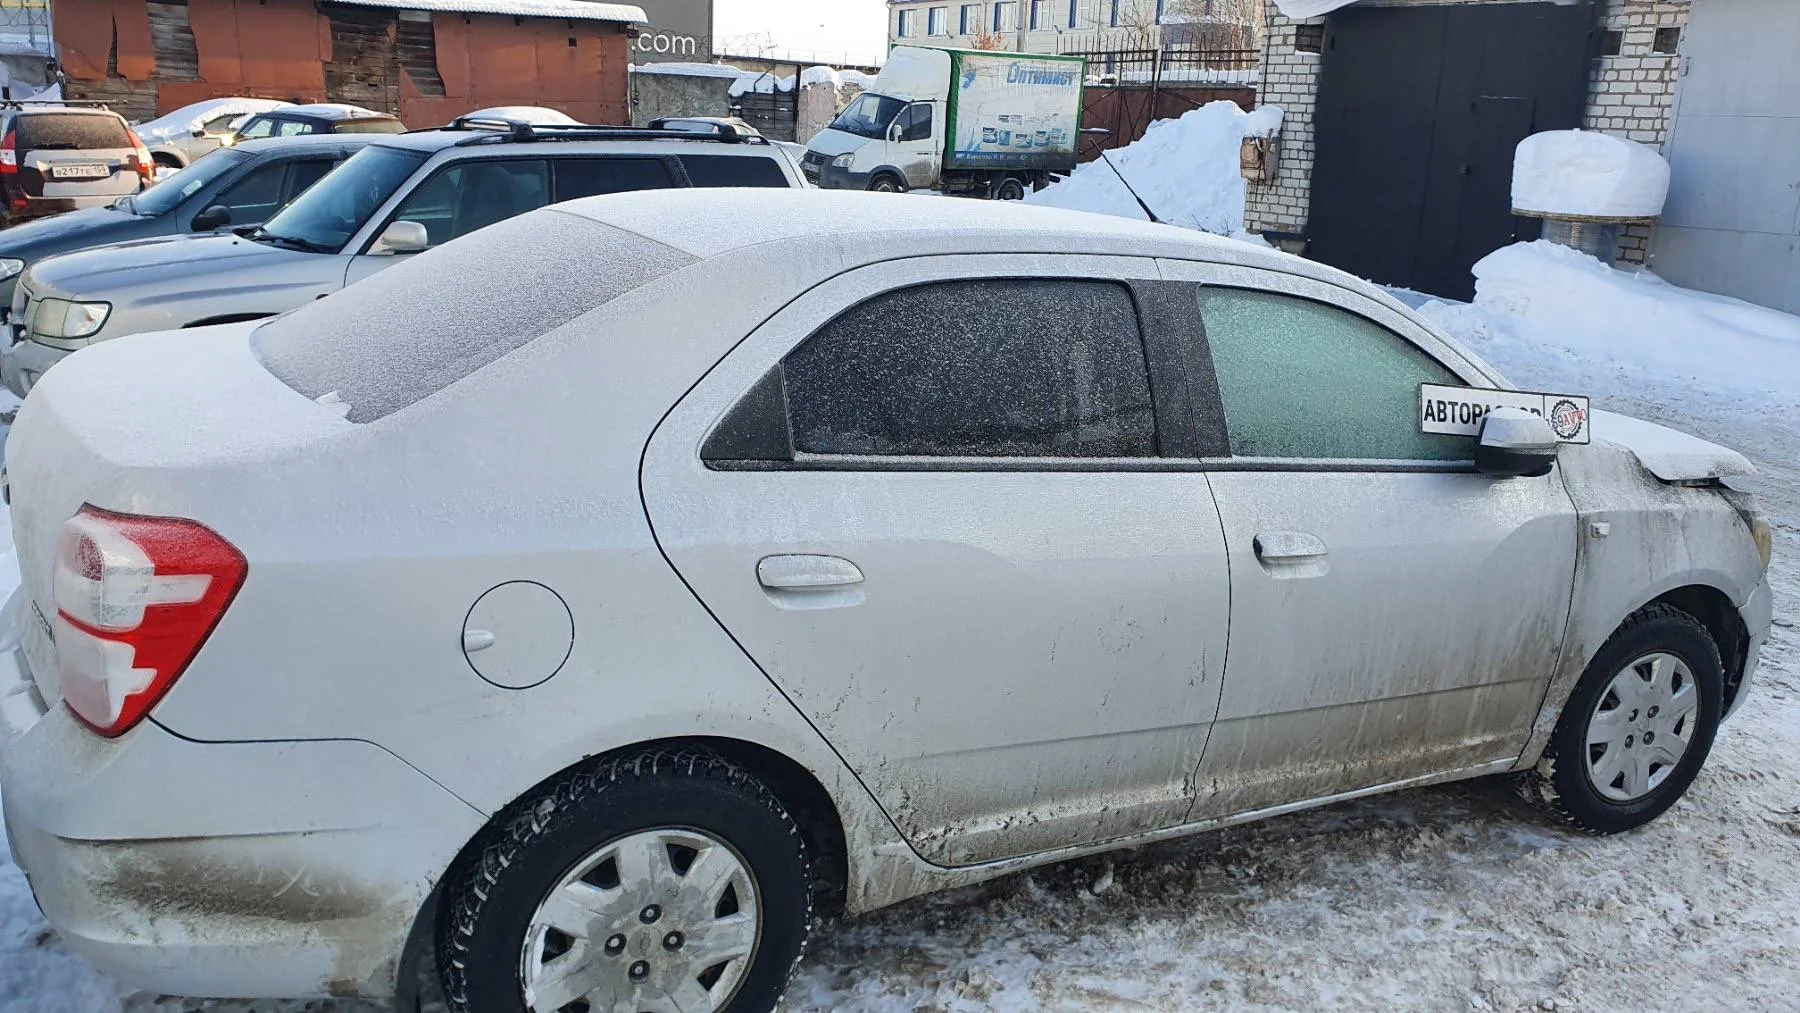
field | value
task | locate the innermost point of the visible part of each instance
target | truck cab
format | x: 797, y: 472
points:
x: 890, y: 138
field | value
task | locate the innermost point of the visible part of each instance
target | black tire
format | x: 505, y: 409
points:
x: 494, y: 892
x: 1561, y: 784
x: 166, y: 161
x: 887, y: 183
x: 1010, y: 188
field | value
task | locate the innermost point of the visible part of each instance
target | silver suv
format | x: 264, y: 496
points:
x: 56, y: 158
x: 397, y: 197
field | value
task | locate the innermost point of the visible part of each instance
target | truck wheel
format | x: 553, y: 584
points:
x: 886, y: 183
x: 1010, y: 188
x: 669, y: 879
x: 1637, y: 729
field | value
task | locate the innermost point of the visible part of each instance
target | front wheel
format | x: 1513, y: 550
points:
x: 1638, y: 727
x: 665, y: 880
x: 887, y: 184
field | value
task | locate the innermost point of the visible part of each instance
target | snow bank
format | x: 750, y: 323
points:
x: 688, y: 69
x: 1559, y: 313
x: 1578, y: 172
x: 1186, y: 171
x: 184, y: 121
x: 837, y: 78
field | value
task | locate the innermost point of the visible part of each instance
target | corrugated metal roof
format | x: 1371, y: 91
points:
x: 570, y: 10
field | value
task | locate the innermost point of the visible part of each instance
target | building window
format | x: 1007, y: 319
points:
x: 971, y: 20
x: 1161, y: 6
x: 1074, y: 13
x: 1006, y: 16
x: 937, y: 21
x: 1115, y: 13
x: 1309, y: 38
x: 1040, y: 15
x: 1612, y: 43
x: 909, y: 24
x: 1668, y: 41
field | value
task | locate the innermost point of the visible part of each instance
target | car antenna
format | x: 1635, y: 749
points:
x: 1129, y: 189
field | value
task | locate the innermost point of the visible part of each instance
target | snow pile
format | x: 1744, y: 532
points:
x: 1186, y: 171
x: 761, y: 84
x: 184, y: 121
x: 1578, y: 172
x: 689, y: 70
x: 1559, y: 313
x: 838, y: 79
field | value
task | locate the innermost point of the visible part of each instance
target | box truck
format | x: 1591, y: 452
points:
x: 981, y: 124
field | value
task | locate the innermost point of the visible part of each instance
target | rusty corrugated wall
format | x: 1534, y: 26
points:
x: 152, y: 58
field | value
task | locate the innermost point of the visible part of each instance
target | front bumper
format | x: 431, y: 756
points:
x: 24, y: 363
x: 222, y: 870
x: 1759, y: 618
x: 833, y: 178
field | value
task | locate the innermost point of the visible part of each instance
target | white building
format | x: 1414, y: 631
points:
x: 1052, y: 26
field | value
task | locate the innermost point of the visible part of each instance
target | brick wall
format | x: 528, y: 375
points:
x: 1631, y: 94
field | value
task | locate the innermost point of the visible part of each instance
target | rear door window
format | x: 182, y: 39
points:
x: 70, y: 132
x: 590, y: 177
x: 295, y: 128
x: 988, y: 368
x: 734, y: 170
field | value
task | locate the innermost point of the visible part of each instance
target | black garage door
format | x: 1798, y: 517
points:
x: 1419, y: 111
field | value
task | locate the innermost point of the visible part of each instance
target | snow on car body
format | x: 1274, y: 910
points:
x: 566, y: 570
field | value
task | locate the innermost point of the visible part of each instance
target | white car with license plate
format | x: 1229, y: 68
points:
x: 585, y: 628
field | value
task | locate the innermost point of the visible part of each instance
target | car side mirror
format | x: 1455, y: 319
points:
x: 199, y: 131
x: 894, y: 131
x: 401, y: 237
x: 215, y: 217
x: 1515, y: 444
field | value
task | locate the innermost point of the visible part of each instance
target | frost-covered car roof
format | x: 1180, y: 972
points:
x: 192, y: 117
x: 332, y: 111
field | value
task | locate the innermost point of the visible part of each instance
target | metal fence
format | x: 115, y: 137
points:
x: 1129, y: 89
x: 25, y: 26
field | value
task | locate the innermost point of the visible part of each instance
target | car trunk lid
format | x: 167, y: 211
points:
x: 149, y: 425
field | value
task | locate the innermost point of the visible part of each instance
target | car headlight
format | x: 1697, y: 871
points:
x: 61, y: 318
x: 10, y: 268
x: 843, y: 161
x: 1764, y: 533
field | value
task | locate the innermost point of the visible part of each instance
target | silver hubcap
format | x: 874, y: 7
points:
x: 1641, y: 727
x: 663, y: 921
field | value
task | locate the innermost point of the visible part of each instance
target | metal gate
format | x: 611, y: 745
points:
x: 1420, y: 110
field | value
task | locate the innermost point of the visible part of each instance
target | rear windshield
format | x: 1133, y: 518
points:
x: 734, y: 170
x: 397, y: 338
x: 369, y: 127
x: 69, y: 132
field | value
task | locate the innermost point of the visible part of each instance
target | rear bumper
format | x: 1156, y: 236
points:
x: 23, y: 364
x: 1759, y: 617
x: 222, y: 870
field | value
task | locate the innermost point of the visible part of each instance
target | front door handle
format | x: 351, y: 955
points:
x: 1289, y: 547
x: 807, y: 573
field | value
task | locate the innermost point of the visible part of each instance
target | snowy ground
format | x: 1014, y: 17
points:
x: 1443, y: 899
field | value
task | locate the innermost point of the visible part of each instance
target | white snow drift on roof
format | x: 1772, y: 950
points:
x: 836, y: 78
x: 1579, y: 172
x: 184, y: 121
x: 571, y: 10
x: 524, y: 114
x: 1564, y: 313
x: 1310, y: 8
x: 1186, y: 171
x: 689, y: 70
x: 338, y: 110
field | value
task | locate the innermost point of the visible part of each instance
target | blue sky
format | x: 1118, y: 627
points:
x: 824, y: 30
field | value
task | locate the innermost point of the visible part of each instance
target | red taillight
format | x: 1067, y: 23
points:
x: 141, y: 159
x: 9, y: 154
x: 136, y: 597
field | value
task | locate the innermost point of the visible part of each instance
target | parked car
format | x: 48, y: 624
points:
x: 181, y: 137
x: 238, y: 187
x: 396, y: 197
x: 318, y: 118
x: 56, y: 158
x: 607, y: 593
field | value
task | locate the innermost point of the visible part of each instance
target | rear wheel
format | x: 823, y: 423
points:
x: 665, y: 880
x: 886, y: 183
x: 1010, y: 188
x: 1638, y: 727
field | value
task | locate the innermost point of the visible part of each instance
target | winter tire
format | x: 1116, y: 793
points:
x: 1638, y: 727
x: 887, y: 184
x: 1010, y: 188
x: 669, y: 879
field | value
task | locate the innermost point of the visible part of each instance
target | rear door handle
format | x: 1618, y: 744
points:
x: 807, y: 573
x: 1289, y: 547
